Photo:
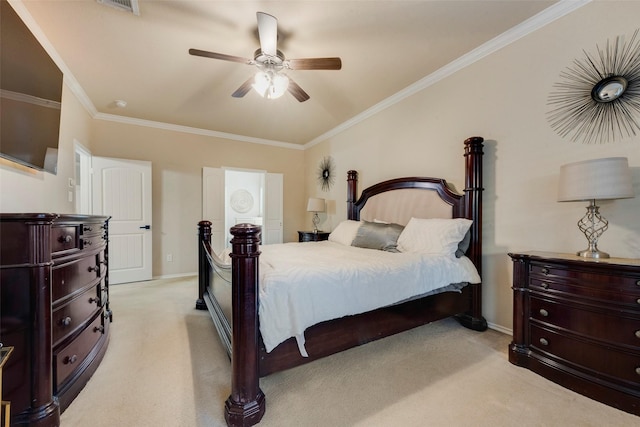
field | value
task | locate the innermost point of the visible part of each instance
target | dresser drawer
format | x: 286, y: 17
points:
x: 593, y: 359
x: 67, y: 318
x: 572, y: 290
x: 93, y: 228
x: 600, y: 323
x: 585, y: 280
x: 65, y: 239
x: 69, y: 358
x: 92, y: 241
x: 69, y: 277
x: 69, y: 238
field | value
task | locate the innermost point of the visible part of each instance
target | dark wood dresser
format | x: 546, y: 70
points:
x: 310, y: 236
x: 54, y: 297
x: 576, y: 322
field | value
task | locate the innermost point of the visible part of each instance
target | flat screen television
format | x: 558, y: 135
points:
x: 30, y: 96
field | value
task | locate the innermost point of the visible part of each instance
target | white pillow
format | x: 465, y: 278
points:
x: 433, y: 236
x: 345, y: 232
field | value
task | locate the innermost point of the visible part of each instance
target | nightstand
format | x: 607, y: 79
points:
x: 576, y: 322
x: 310, y: 236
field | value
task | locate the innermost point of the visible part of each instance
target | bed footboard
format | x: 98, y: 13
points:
x: 207, y: 298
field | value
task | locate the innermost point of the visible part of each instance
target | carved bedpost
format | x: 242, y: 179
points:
x: 473, y: 190
x: 352, y: 187
x: 246, y: 404
x: 473, y: 210
x: 204, y: 270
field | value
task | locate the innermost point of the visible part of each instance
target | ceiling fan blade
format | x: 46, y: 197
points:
x: 297, y: 92
x: 206, y: 54
x: 268, y: 33
x: 314, y: 64
x: 244, y: 88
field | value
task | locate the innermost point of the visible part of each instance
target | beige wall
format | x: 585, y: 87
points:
x: 502, y: 98
x: 27, y: 190
x: 177, y: 161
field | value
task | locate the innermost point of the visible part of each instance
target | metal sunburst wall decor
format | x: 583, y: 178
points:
x: 598, y: 97
x: 326, y: 176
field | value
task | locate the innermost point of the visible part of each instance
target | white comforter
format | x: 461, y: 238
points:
x: 302, y: 284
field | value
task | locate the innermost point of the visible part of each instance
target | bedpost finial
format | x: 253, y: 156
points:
x: 204, y: 230
x: 475, y: 141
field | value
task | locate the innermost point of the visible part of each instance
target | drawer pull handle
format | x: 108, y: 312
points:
x: 637, y: 282
x: 70, y: 360
x: 638, y: 370
x: 638, y: 333
x: 66, y: 321
x: 543, y: 341
x: 65, y: 239
x: 545, y: 270
x: 96, y: 300
x: 638, y: 300
x: 545, y: 285
x: 96, y: 268
x: 88, y: 229
x: 543, y: 312
x: 98, y: 329
x: 87, y: 242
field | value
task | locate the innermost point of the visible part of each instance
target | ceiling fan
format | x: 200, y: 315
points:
x: 270, y: 81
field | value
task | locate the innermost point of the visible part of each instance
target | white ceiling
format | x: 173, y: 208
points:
x: 388, y: 48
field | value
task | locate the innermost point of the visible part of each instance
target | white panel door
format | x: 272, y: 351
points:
x: 213, y: 205
x: 272, y: 229
x: 122, y: 190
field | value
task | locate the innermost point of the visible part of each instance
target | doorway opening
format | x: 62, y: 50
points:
x: 82, y: 182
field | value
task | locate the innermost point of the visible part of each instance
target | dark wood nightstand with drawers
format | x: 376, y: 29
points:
x: 576, y: 322
x: 310, y: 236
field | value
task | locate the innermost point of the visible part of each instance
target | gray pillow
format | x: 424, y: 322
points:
x: 464, y: 244
x: 373, y: 235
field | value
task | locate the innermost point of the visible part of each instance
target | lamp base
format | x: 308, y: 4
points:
x: 588, y: 253
x: 593, y: 225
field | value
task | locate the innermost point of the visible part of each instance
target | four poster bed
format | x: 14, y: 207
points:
x: 233, y: 286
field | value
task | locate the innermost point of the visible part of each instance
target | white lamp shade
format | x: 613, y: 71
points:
x: 597, y: 179
x: 315, y: 205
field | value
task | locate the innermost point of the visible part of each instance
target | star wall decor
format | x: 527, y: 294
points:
x: 597, y: 99
x: 326, y: 176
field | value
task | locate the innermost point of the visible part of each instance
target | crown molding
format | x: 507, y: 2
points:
x: 194, y: 131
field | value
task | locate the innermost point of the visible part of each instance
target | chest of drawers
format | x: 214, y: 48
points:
x: 55, y: 309
x: 577, y: 322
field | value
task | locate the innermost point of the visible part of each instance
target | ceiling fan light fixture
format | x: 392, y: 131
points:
x: 270, y: 85
x: 270, y: 82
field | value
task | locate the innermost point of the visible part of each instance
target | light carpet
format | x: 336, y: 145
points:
x: 165, y: 367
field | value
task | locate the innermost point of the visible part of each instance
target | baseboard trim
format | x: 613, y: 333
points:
x: 174, y: 276
x: 500, y: 328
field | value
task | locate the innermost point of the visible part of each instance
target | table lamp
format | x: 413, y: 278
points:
x: 315, y: 205
x: 591, y: 180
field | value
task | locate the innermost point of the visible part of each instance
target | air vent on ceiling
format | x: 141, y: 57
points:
x: 126, y: 5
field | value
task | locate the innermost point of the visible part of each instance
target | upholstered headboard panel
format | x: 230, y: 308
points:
x: 400, y: 206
